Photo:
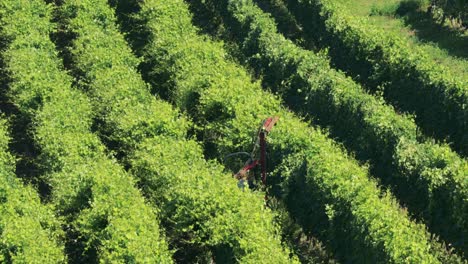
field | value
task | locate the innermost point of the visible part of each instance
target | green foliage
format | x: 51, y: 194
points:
x: 429, y: 178
x: 201, y: 207
x: 387, y: 9
x: 93, y: 194
x: 29, y: 232
x: 382, y: 60
x: 454, y: 9
x: 359, y: 224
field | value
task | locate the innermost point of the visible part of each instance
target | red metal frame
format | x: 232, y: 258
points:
x: 266, y: 127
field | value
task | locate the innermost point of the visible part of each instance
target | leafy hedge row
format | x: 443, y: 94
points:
x: 28, y: 230
x: 431, y: 179
x: 202, y: 208
x: 107, y: 218
x: 383, y: 61
x: 326, y: 191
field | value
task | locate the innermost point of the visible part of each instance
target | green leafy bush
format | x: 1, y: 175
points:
x: 204, y: 213
x: 325, y: 189
x: 107, y: 218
